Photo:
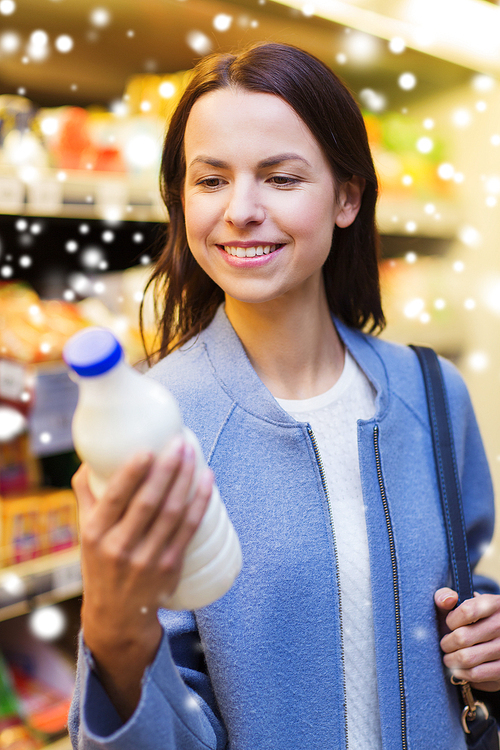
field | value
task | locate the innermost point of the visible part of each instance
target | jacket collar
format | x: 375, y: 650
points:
x: 237, y: 376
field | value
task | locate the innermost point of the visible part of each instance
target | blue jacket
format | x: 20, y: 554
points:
x: 262, y: 668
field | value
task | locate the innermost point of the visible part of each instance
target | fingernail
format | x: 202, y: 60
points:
x: 206, y: 479
x: 188, y: 452
x: 174, y: 446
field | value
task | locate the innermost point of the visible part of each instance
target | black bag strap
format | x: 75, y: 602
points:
x: 449, y: 484
x: 480, y: 729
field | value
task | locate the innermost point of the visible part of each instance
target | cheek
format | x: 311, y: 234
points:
x: 200, y: 219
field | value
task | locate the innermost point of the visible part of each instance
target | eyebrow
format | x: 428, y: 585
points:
x: 272, y: 161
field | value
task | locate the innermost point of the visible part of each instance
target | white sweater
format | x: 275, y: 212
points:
x: 333, y: 416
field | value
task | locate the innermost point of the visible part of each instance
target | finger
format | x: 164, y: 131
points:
x: 119, y: 492
x: 482, y: 631
x: 467, y: 658
x: 445, y: 599
x: 175, y: 551
x: 473, y: 610
x: 83, y: 494
x: 481, y: 676
x: 164, y: 494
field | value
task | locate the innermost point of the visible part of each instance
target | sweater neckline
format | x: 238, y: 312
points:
x: 327, y: 397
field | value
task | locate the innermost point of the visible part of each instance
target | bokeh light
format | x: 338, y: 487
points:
x: 7, y: 7
x: 483, y: 83
x: 9, y: 42
x: 461, y: 117
x: 425, y: 145
x: 222, y: 22
x: 407, y: 81
x: 478, y: 361
x: 64, y: 43
x: 100, y: 17
x: 199, y: 42
x: 91, y: 257
x: 414, y: 307
x: 397, y: 45
x: 373, y: 100
x: 362, y: 48
x: 166, y: 90
x: 47, y: 623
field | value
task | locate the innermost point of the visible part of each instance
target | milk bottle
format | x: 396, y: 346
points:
x: 120, y: 412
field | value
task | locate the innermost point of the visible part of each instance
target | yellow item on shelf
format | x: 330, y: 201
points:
x: 156, y: 94
x: 34, y: 330
x: 36, y: 524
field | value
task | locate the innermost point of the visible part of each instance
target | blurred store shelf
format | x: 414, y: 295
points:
x: 418, y: 218
x: 80, y: 194
x: 41, y: 581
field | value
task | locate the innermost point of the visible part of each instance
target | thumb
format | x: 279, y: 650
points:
x: 445, y: 599
x: 84, y: 496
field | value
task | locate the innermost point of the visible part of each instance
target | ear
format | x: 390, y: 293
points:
x: 350, y: 195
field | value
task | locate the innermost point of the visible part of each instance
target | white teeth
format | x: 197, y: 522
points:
x: 250, y: 252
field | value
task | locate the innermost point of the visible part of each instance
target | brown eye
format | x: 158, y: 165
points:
x: 281, y: 179
x: 211, y: 182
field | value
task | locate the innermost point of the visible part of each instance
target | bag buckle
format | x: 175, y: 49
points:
x: 471, y: 705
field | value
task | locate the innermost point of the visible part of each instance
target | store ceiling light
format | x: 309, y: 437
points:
x: 465, y: 32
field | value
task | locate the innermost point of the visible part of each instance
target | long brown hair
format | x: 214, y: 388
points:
x: 186, y: 298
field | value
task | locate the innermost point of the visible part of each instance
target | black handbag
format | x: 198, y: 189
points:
x: 480, y: 728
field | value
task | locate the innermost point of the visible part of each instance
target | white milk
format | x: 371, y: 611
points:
x: 121, y: 412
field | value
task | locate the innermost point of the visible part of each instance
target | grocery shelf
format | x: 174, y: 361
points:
x: 41, y: 581
x: 81, y: 194
x: 87, y: 194
x: 430, y: 217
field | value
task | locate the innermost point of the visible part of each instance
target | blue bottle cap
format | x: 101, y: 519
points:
x: 92, y: 351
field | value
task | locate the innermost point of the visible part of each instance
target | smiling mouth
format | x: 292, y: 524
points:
x: 249, y: 252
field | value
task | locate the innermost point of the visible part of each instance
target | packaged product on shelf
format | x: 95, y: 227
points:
x: 9, y: 703
x: 60, y: 526
x: 99, y: 314
x: 41, y: 676
x: 34, y: 330
x: 20, y: 145
x: 21, y: 529
x: 37, y: 523
x: 72, y: 147
x: 155, y: 94
x: 14, y: 735
x: 19, y: 469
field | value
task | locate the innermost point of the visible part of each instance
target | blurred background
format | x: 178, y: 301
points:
x: 86, y: 91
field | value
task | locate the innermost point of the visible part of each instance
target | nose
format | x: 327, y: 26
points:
x: 244, y: 204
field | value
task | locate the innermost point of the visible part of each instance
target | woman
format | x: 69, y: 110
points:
x: 319, y: 441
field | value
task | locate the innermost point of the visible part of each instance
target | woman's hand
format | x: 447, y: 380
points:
x: 133, y: 542
x: 472, y: 643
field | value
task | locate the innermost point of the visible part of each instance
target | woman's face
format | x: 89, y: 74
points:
x: 259, y: 196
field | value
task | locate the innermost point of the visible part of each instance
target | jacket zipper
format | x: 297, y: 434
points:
x: 325, y: 488
x: 397, y: 609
